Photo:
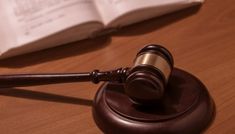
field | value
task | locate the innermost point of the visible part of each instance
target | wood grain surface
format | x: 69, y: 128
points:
x: 201, y: 39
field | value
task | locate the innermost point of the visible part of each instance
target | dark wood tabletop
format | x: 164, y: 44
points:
x: 201, y: 39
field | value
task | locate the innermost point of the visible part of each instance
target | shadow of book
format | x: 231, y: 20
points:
x: 67, y: 50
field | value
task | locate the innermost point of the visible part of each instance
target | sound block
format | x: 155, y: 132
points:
x: 186, y: 108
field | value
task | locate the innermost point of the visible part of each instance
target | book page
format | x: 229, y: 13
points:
x: 112, y: 10
x: 35, y: 19
x: 108, y: 9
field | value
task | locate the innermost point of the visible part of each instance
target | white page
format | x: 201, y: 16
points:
x: 7, y: 36
x: 108, y: 9
x: 35, y: 19
x: 112, y: 9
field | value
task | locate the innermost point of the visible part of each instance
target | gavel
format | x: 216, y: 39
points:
x: 144, y: 82
x: 150, y: 97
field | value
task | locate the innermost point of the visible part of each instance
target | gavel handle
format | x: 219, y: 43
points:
x: 22, y: 80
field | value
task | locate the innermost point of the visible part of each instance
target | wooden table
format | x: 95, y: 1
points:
x: 202, y: 41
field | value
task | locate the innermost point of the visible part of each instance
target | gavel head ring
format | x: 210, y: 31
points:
x: 148, y: 78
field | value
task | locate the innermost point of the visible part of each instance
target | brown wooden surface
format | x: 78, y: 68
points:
x: 202, y: 41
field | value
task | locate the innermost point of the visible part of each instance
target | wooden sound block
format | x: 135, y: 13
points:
x: 186, y: 108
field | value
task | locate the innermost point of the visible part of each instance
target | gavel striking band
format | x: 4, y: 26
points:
x: 144, y: 82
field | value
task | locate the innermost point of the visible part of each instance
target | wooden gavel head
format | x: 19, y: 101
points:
x: 147, y: 79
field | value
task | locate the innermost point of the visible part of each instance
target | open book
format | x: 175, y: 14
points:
x: 30, y: 25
